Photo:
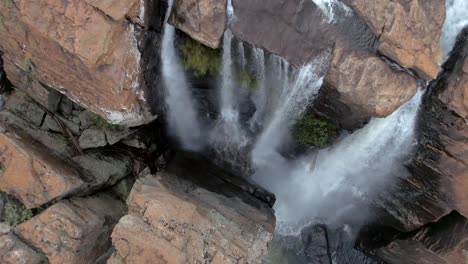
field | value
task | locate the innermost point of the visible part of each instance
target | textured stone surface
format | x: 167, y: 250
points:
x: 76, y: 49
x: 439, y: 175
x: 298, y: 31
x: 31, y: 173
x: 408, y: 31
x: 203, y: 20
x: 172, y: 220
x: 366, y: 84
x: 92, y: 138
x: 13, y: 251
x: 74, y: 231
x: 445, y: 241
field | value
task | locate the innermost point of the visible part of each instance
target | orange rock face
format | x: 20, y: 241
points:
x: 73, y: 231
x: 408, y: 31
x: 78, y: 50
x: 168, y: 225
x: 204, y: 20
x: 30, y: 173
x: 365, y: 82
x: 13, y: 251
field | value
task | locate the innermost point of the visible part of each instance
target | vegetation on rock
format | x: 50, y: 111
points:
x: 198, y: 58
x: 311, y: 130
x: 14, y: 211
x: 102, y: 123
x: 244, y: 79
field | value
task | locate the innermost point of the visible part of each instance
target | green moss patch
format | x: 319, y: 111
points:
x: 102, y: 123
x: 311, y: 130
x: 198, y: 58
x: 244, y: 79
x: 13, y: 211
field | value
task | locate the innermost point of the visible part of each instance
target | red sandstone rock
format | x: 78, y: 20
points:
x: 13, y: 251
x: 75, y: 230
x: 173, y: 221
x: 78, y: 50
x: 31, y: 173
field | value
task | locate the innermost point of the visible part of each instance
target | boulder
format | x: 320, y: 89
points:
x: 408, y: 31
x: 203, y: 20
x: 77, y: 50
x: 75, y: 230
x: 173, y: 219
x: 31, y: 173
x: 14, y: 251
x: 368, y: 85
x: 92, y: 138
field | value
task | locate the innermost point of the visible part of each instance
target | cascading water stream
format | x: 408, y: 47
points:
x: 330, y: 7
x: 181, y: 113
x: 455, y: 20
x: 336, y: 182
x: 260, y: 95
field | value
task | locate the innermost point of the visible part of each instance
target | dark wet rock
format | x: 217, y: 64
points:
x: 53, y: 100
x: 315, y: 240
x: 115, y: 135
x: 92, y: 138
x: 53, y: 125
x: 26, y: 108
x: 66, y: 106
x: 438, y: 177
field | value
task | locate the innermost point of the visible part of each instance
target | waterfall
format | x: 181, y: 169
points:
x: 181, y: 112
x: 260, y: 95
x: 294, y: 101
x: 241, y: 54
x: 330, y: 7
x: 337, y: 181
x: 455, y: 20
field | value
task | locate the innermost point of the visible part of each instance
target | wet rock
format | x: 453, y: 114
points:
x: 77, y: 50
x: 31, y: 173
x: 14, y: 251
x: 4, y: 228
x: 174, y: 220
x: 315, y: 239
x: 86, y: 119
x: 74, y: 231
x: 445, y: 241
x: 203, y: 20
x: 53, y: 100
x: 438, y: 177
x: 92, y: 138
x: 122, y: 188
x: 408, y: 31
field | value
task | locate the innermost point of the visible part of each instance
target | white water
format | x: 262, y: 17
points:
x: 337, y: 181
x: 294, y: 101
x: 182, y: 115
x: 456, y: 19
x: 330, y: 7
x: 241, y: 51
x: 260, y: 95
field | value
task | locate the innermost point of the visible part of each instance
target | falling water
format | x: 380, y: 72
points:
x: 260, y: 95
x: 294, y: 101
x: 182, y: 116
x: 241, y: 54
x: 334, y: 182
x: 330, y: 7
x: 456, y: 19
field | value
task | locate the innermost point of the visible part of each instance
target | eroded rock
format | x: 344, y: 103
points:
x: 173, y: 220
x: 408, y: 31
x: 31, y: 173
x: 14, y: 251
x: 75, y: 230
x: 77, y: 50
x: 203, y: 20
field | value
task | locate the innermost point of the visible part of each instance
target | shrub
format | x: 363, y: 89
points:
x: 199, y: 58
x: 314, y: 131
